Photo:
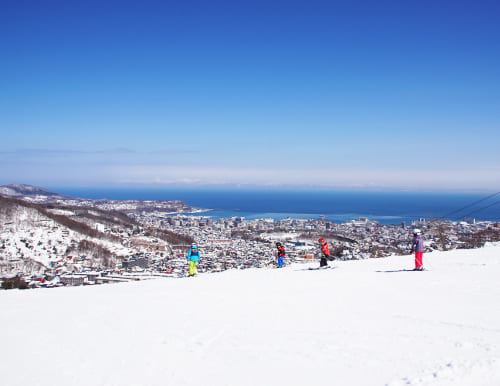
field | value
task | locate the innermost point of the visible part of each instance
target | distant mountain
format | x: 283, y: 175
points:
x: 30, y: 193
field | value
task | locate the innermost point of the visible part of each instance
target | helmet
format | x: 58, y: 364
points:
x: 417, y: 232
x: 321, y: 240
x: 278, y: 244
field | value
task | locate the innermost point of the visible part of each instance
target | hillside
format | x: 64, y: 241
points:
x: 365, y: 322
x: 30, y: 193
x: 33, y: 238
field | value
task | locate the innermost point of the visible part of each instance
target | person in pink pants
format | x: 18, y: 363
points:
x: 418, y: 247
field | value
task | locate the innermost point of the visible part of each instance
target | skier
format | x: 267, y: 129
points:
x: 281, y: 254
x: 192, y: 257
x: 418, y: 246
x: 325, y: 252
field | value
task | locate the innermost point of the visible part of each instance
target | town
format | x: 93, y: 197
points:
x: 238, y: 243
x: 149, y: 239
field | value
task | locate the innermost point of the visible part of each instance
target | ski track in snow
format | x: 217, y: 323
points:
x: 358, y: 324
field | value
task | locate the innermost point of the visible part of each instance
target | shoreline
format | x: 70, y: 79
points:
x: 334, y: 218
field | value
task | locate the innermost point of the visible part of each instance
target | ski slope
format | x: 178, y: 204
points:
x: 363, y: 323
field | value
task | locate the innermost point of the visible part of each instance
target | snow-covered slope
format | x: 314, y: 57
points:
x: 362, y: 323
x: 29, y: 193
x: 30, y: 240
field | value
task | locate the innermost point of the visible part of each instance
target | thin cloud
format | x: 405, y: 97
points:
x: 41, y: 152
x: 327, y: 178
x: 171, y: 151
x: 64, y: 152
x: 111, y: 156
x: 119, y: 150
x: 131, y: 167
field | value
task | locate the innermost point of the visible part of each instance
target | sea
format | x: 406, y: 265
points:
x: 336, y: 206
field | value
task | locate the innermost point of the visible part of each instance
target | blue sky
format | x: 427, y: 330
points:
x: 358, y: 94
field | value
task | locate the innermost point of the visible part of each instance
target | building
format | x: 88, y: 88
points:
x: 141, y: 262
x: 72, y: 280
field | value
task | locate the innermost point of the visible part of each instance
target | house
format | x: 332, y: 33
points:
x: 72, y: 280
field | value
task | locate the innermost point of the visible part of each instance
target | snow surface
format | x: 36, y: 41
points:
x: 362, y: 323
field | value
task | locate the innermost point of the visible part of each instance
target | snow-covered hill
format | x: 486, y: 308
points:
x: 365, y: 322
x: 29, y: 193
x: 31, y: 238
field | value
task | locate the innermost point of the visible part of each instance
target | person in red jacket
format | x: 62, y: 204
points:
x: 325, y: 252
x: 281, y: 254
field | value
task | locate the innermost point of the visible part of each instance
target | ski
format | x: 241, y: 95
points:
x: 319, y: 268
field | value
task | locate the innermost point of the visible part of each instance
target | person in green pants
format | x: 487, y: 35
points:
x: 192, y: 257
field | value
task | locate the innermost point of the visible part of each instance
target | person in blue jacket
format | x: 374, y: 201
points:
x: 192, y: 257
